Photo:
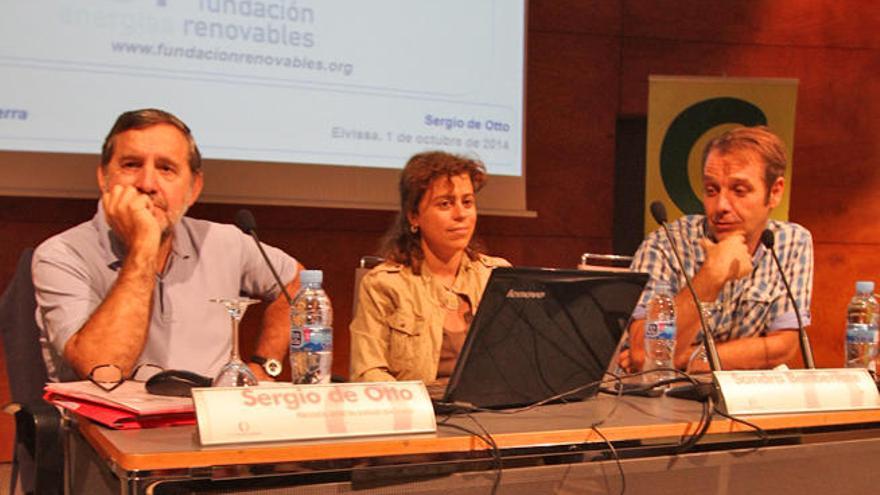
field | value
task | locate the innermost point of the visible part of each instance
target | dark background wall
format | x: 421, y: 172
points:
x: 587, y: 67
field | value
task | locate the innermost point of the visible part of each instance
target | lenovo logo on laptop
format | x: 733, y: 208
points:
x: 525, y: 294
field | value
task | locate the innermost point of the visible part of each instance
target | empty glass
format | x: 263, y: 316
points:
x: 235, y: 373
x: 698, y: 363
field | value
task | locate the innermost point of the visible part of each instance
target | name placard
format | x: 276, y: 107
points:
x: 790, y: 391
x: 280, y: 411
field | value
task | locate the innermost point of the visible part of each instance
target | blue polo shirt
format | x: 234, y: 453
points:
x: 74, y: 271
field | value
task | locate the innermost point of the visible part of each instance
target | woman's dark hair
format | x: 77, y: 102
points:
x: 400, y: 243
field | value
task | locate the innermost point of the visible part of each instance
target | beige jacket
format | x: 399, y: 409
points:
x: 397, y: 331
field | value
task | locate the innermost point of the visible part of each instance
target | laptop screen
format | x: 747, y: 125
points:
x: 540, y: 332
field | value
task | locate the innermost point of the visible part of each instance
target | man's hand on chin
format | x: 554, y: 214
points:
x: 130, y: 215
x: 729, y: 257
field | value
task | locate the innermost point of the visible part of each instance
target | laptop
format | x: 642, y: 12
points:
x: 540, y: 332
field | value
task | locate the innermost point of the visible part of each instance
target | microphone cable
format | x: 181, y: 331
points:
x: 467, y: 409
x: 683, y: 446
x: 709, y: 408
x: 614, y: 455
x: 761, y: 432
x: 484, y: 435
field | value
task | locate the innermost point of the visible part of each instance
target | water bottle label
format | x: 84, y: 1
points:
x: 308, y: 339
x: 861, y: 333
x: 296, y: 338
x: 660, y: 330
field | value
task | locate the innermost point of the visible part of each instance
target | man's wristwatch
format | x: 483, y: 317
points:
x: 271, y: 366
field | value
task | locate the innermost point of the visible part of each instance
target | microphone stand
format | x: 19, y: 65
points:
x: 708, y: 337
x: 702, y: 391
x: 767, y: 240
x: 245, y: 221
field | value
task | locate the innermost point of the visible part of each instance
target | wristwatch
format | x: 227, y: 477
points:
x: 271, y: 366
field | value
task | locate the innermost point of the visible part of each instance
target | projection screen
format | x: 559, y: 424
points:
x: 292, y: 102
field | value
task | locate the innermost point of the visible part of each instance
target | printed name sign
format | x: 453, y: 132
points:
x: 789, y: 391
x: 281, y: 411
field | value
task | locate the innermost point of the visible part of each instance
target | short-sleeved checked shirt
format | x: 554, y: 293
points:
x: 753, y: 305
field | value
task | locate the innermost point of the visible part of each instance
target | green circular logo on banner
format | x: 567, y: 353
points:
x: 683, y: 133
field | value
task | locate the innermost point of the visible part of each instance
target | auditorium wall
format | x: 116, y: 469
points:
x: 587, y: 67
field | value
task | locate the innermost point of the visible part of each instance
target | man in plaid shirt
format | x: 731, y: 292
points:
x: 734, y: 275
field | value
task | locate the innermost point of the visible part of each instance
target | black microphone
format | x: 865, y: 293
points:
x: 658, y: 211
x: 768, y: 240
x: 697, y: 391
x: 245, y: 220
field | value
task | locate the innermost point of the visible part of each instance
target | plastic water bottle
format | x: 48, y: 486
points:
x: 660, y: 334
x: 311, y: 331
x: 861, y: 328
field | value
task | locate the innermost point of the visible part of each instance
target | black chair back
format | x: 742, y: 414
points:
x: 37, y: 453
x: 21, y: 337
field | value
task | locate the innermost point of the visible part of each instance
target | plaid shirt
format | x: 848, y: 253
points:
x: 752, y: 305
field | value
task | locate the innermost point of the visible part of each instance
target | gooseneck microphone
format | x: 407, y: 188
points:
x: 658, y: 211
x: 768, y: 240
x: 245, y: 221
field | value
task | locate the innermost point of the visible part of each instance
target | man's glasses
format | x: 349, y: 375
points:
x: 109, y: 376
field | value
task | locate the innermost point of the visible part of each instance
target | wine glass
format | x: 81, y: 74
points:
x: 698, y: 364
x: 235, y: 373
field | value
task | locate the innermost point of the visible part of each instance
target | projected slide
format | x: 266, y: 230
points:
x: 345, y: 82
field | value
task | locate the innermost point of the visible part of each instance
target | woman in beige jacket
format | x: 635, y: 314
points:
x: 414, y: 309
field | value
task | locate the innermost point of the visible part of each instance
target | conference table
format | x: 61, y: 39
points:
x: 560, y: 448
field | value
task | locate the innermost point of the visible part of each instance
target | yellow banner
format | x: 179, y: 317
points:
x: 685, y: 113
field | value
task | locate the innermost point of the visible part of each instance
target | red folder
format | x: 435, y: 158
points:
x: 127, y: 407
x: 116, y: 418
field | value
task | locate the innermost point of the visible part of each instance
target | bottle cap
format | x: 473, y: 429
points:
x: 311, y: 277
x: 863, y: 286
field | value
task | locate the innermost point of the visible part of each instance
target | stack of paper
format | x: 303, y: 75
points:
x: 127, y: 407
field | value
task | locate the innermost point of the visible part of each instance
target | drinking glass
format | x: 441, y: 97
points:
x: 698, y: 364
x: 235, y: 373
